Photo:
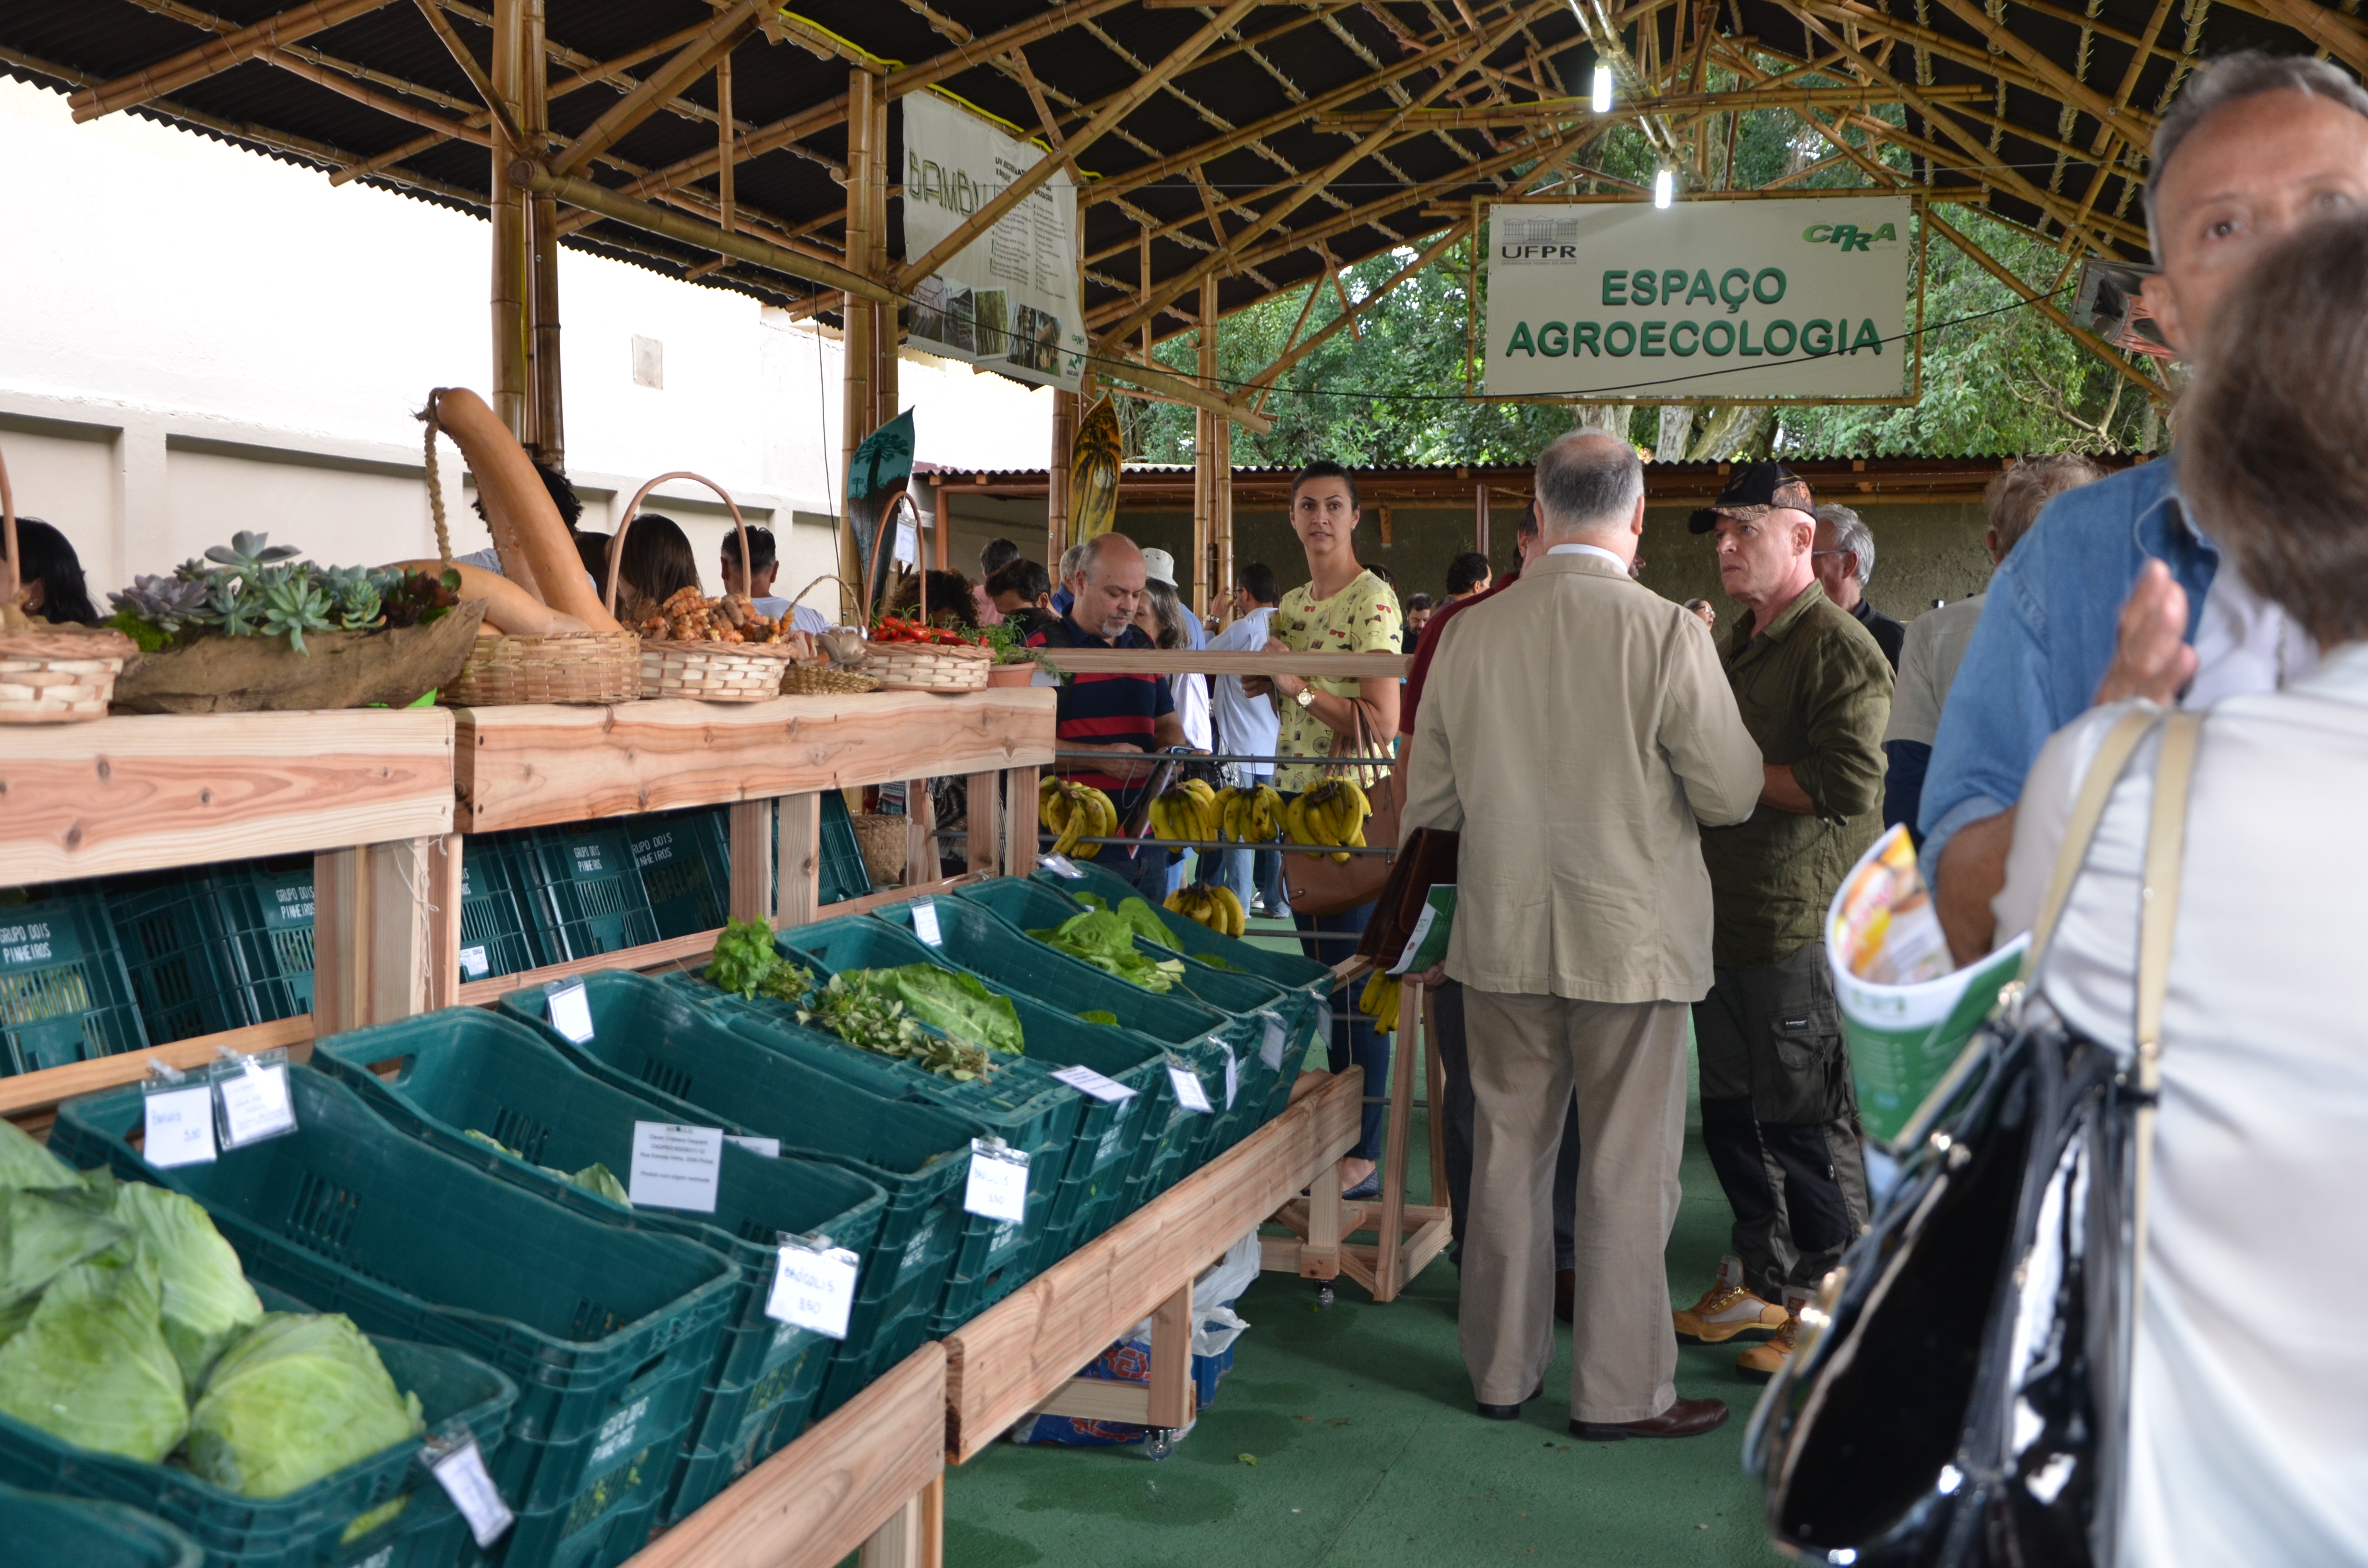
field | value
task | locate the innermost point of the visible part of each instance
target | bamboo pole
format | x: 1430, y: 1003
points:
x: 691, y: 61
x: 512, y: 231
x: 856, y: 315
x: 548, y: 416
x: 216, y: 55
x: 1056, y: 479
x: 1207, y: 427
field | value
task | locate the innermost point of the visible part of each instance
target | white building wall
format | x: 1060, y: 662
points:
x: 196, y: 339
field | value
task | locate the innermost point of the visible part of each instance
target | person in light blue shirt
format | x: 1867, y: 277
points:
x: 2117, y: 592
x: 1248, y: 725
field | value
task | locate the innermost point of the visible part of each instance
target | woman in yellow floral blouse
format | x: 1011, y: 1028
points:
x: 1344, y: 609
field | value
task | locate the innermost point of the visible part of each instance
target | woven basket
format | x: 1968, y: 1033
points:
x: 813, y: 680
x: 581, y: 667
x: 883, y: 842
x: 706, y: 672
x: 929, y: 667
x: 57, y: 674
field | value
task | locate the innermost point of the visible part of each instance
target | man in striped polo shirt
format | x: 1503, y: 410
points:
x: 1129, y: 715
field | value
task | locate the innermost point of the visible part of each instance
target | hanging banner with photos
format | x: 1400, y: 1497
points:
x: 1760, y: 301
x: 1009, y: 301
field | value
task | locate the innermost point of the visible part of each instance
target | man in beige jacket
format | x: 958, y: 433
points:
x: 1576, y: 730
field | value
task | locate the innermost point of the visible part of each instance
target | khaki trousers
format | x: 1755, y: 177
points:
x: 1626, y: 1064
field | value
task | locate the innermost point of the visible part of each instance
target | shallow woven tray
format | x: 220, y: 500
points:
x: 927, y: 667
x: 59, y: 676
x: 715, y: 672
x: 582, y: 667
x: 813, y: 680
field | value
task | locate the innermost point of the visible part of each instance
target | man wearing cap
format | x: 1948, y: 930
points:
x: 1778, y: 1115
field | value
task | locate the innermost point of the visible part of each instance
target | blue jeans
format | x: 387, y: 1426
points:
x: 1354, y: 1038
x: 1253, y: 871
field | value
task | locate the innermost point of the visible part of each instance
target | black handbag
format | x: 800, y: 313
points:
x: 1960, y: 1394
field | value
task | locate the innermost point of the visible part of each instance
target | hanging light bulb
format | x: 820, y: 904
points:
x: 1603, y: 100
x: 1665, y: 188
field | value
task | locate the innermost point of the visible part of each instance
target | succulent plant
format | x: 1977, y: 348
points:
x: 246, y: 551
x: 355, y: 595
x: 230, y: 607
x: 167, y: 603
x: 292, y: 605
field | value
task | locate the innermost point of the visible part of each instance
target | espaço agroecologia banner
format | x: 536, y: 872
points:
x: 1736, y: 299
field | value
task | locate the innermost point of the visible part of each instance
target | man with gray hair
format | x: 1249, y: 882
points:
x: 2255, y: 146
x: 1843, y: 560
x: 1071, y: 560
x: 1578, y: 732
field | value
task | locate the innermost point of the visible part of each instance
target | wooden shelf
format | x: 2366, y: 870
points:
x: 1020, y: 1354
x: 143, y: 793
x: 531, y: 767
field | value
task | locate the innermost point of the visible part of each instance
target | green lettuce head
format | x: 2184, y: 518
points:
x: 298, y: 1397
x: 91, y: 1365
x: 24, y: 1163
x: 208, y: 1302
x: 44, y: 1233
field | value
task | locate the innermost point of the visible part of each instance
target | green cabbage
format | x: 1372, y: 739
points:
x: 208, y: 1302
x: 298, y: 1397
x: 598, y: 1178
x: 41, y: 1236
x: 25, y: 1164
x: 959, y: 1003
x: 91, y: 1366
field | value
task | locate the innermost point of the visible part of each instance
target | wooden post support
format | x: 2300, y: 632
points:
x: 1019, y: 820
x: 899, y: 1543
x: 920, y: 834
x: 1320, y: 1257
x: 1403, y: 1069
x: 369, y: 935
x: 443, y: 894
x: 983, y: 821
x: 546, y: 416
x: 1171, y: 1361
x: 512, y: 227
x: 1218, y: 568
x: 797, y: 888
x: 752, y: 861
x: 1208, y: 455
x: 1480, y: 516
x: 1056, y: 482
x: 866, y: 253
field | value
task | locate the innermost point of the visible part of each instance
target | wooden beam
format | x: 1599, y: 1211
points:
x: 370, y: 957
x: 1560, y: 111
x: 217, y: 55
x: 1121, y: 365
x: 694, y: 59
x: 576, y: 192
x: 1066, y: 157
x: 2324, y: 26
x: 28, y: 1095
x: 1293, y: 356
x: 497, y: 113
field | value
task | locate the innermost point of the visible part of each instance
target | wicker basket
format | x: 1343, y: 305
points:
x: 929, y: 667
x: 581, y: 667
x: 814, y: 680
x: 706, y: 672
x: 885, y: 842
x: 56, y: 673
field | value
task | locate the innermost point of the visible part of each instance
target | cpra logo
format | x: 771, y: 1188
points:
x: 1849, y: 236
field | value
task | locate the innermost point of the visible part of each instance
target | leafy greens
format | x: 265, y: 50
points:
x: 91, y: 1366
x: 207, y: 1300
x: 1106, y: 939
x: 300, y: 1396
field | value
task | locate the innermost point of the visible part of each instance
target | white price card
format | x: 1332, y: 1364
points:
x: 571, y: 1011
x: 461, y: 1473
x: 766, y: 1148
x: 1062, y: 866
x: 180, y: 1130
x: 475, y: 965
x: 1086, y: 1081
x: 998, y: 1181
x: 1189, y: 1092
x: 1270, y: 1048
x: 675, y: 1166
x: 924, y: 923
x: 1233, y: 1073
x: 813, y: 1287
x: 254, y: 1102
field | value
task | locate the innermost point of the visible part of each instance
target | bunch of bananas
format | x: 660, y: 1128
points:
x: 1250, y: 816
x: 1074, y: 812
x: 1332, y: 813
x: 1187, y: 811
x: 1216, y: 907
x: 1380, y: 1001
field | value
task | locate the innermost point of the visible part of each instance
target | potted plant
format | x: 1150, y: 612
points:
x: 1015, y: 663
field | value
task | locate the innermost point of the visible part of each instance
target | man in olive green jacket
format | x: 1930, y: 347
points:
x: 1778, y: 1114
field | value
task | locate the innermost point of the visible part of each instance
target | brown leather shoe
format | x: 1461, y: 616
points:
x: 1565, y: 1290
x: 1687, y: 1418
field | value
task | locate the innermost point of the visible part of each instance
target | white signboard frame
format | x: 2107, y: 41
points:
x: 1011, y: 300
x: 1743, y: 300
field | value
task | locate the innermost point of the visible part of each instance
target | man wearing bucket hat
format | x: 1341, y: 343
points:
x: 1778, y: 1115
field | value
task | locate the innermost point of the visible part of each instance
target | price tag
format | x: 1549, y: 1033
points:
x: 813, y: 1287
x: 998, y: 1181
x: 1189, y: 1092
x: 571, y: 1011
x: 1324, y: 1023
x: 1062, y: 866
x: 461, y: 1473
x: 1233, y: 1074
x: 474, y: 964
x: 675, y: 1166
x: 1086, y: 1081
x: 924, y: 923
x: 180, y: 1130
x: 766, y: 1148
x: 1270, y: 1048
x: 254, y: 1102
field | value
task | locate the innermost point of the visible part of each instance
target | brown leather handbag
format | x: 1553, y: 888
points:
x: 1312, y: 881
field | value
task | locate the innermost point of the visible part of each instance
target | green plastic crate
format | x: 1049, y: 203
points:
x: 267, y: 906
x: 685, y: 859
x: 493, y: 921
x: 659, y: 1042
x: 843, y: 875
x: 353, y: 1515
x: 64, y: 1532
x: 464, y: 1069
x: 581, y: 890
x: 608, y: 1332
x: 191, y: 973
x: 64, y: 995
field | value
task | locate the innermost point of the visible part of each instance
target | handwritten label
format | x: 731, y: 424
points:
x: 571, y: 1011
x: 924, y: 923
x: 999, y: 1182
x: 254, y: 1104
x: 180, y: 1128
x: 675, y: 1166
x: 1086, y: 1081
x: 462, y: 1475
x: 813, y: 1287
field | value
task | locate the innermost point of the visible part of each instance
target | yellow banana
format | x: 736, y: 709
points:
x: 1267, y: 808
x: 1198, y: 788
x: 1236, y: 919
x: 1068, y: 820
x: 1105, y: 813
x: 1295, y: 821
x: 1379, y: 1001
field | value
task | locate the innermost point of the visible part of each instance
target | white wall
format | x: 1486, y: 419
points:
x: 196, y: 339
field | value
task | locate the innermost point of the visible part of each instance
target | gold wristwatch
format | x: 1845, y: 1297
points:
x: 1306, y: 698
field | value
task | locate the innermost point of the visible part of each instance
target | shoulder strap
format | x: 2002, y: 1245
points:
x: 2159, y: 912
x: 2087, y: 810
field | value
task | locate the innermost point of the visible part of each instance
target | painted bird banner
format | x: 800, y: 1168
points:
x: 1758, y: 300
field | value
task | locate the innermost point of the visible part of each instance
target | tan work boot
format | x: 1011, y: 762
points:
x: 1726, y: 1309
x: 1764, y: 1360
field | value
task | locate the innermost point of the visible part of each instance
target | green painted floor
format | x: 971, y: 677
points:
x: 1346, y: 1437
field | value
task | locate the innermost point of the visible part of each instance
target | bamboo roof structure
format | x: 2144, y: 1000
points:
x: 1254, y: 146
